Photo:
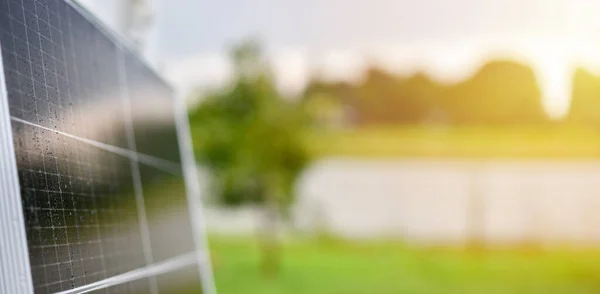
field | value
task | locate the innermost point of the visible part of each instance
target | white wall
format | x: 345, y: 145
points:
x: 451, y: 201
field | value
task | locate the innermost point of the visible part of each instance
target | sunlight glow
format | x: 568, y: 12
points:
x: 554, y: 73
x: 554, y: 62
x: 552, y: 58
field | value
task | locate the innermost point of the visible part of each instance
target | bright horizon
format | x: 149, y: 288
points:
x: 552, y: 59
x: 449, y: 39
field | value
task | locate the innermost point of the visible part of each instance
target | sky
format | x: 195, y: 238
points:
x: 448, y: 39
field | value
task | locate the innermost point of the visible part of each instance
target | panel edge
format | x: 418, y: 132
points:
x: 194, y: 194
x: 117, y: 38
x: 15, y: 269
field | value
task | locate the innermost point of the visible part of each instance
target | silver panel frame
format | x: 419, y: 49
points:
x: 194, y: 194
x: 15, y: 268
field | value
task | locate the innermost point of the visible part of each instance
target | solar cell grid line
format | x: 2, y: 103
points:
x: 49, y: 54
x: 159, y: 163
x: 94, y: 224
x: 47, y: 212
x: 62, y: 80
x: 40, y: 92
x: 54, y: 227
x: 70, y: 277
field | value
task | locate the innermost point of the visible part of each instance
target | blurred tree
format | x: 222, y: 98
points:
x: 382, y: 98
x: 501, y: 92
x: 387, y: 99
x: 249, y: 138
x: 585, y: 102
x: 329, y: 104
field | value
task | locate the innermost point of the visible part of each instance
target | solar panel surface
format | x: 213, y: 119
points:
x: 99, y: 167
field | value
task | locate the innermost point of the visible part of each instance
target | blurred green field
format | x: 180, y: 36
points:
x: 558, y: 142
x: 336, y: 267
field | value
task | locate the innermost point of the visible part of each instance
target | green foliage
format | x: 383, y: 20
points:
x: 383, y: 98
x: 248, y: 136
x: 585, y: 104
x: 500, y: 93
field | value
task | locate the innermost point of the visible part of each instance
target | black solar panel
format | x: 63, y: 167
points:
x: 102, y: 187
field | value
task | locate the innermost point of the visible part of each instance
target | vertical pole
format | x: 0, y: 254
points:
x: 476, y: 211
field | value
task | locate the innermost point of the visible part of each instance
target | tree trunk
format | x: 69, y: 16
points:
x: 270, y: 247
x: 476, y: 215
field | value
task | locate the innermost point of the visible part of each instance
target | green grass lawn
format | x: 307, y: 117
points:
x: 336, y: 267
x: 556, y: 142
